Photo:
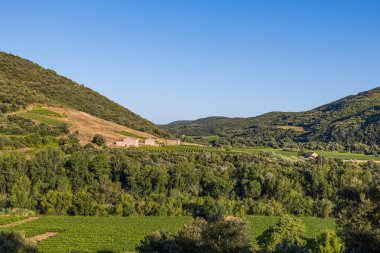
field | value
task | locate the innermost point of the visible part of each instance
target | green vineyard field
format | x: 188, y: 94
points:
x: 255, y: 150
x: 123, y: 234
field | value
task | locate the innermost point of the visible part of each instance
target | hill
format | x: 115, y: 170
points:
x: 350, y: 123
x: 218, y: 125
x: 23, y: 82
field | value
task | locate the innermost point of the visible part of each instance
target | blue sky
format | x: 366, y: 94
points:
x: 172, y: 60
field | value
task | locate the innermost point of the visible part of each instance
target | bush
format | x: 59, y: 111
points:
x: 99, y: 139
x: 158, y: 242
x: 223, y: 236
x: 286, y: 236
x: 15, y: 242
x: 328, y: 242
x: 210, y: 210
x: 88, y: 146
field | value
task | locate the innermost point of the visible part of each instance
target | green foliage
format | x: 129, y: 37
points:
x: 55, y: 202
x: 23, y: 82
x: 41, y: 118
x: 9, y: 219
x: 121, y: 234
x: 224, y: 236
x: 129, y: 182
x: 19, y: 132
x: 99, y: 139
x: 258, y: 150
x: 328, y: 242
x: 46, y: 112
x: 15, y: 243
x: 350, y: 124
x: 229, y: 235
x: 20, y: 193
x: 359, y: 216
x: 210, y: 210
x: 96, y: 234
x: 288, y: 235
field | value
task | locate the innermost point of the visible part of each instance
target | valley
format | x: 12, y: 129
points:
x: 81, y: 173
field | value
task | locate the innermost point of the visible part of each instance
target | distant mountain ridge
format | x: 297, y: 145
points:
x: 352, y: 120
x: 23, y: 82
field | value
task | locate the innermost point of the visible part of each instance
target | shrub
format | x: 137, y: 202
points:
x: 328, y: 242
x: 99, y: 139
x: 210, y: 210
x: 222, y: 236
x: 286, y: 236
x: 15, y: 242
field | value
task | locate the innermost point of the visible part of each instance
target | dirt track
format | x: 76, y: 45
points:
x: 41, y: 237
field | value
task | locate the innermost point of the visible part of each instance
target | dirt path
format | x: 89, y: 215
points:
x: 41, y: 237
x: 19, y: 222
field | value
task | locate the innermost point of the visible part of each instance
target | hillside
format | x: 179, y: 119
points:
x: 78, y: 121
x: 349, y: 122
x: 23, y: 82
x: 218, y: 125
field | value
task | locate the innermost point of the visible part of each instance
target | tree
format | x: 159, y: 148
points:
x: 55, y: 202
x: 20, y: 193
x: 286, y: 236
x: 359, y: 219
x: 210, y: 210
x: 222, y: 236
x: 99, y: 139
x: 328, y: 242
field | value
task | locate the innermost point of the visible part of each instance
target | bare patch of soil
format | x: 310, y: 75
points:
x: 41, y: 237
x: 88, y: 126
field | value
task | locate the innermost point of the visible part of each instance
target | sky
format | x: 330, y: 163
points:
x: 170, y: 60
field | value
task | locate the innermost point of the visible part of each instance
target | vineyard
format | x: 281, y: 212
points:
x: 183, y: 149
x: 120, y: 234
x: 9, y: 219
x: 255, y: 150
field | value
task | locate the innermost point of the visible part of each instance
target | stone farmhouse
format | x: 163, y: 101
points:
x: 150, y: 142
x: 128, y: 142
x: 173, y: 141
x: 135, y: 142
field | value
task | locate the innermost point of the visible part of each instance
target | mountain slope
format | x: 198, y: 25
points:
x: 218, y: 125
x: 349, y: 121
x: 22, y: 82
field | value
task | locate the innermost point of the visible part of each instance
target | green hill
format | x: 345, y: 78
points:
x: 351, y: 123
x: 23, y: 82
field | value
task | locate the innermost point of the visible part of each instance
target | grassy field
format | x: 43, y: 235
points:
x: 46, y: 112
x: 120, y: 234
x: 41, y: 118
x: 9, y: 219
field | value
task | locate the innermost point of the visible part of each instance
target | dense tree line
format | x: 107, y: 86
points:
x: 77, y: 181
